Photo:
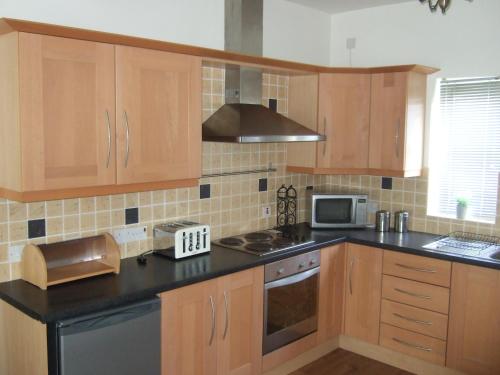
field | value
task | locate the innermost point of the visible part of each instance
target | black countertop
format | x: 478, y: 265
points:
x: 136, y: 282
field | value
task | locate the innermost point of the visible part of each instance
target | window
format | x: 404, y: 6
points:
x: 465, y: 153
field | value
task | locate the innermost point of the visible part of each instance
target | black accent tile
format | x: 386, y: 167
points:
x: 36, y: 228
x: 387, y: 183
x: 273, y: 105
x: 131, y: 215
x: 204, y: 191
x: 262, y: 184
x: 309, y: 187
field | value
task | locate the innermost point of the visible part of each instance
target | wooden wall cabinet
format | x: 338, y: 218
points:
x: 344, y: 117
x: 214, y: 327
x: 374, y: 122
x: 61, y: 136
x: 363, y: 288
x: 331, y: 292
x: 474, y: 321
x: 397, y: 117
x: 158, y: 116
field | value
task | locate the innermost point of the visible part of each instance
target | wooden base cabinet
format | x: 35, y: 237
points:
x: 363, y: 288
x: 214, y: 327
x: 474, y: 327
x: 331, y: 292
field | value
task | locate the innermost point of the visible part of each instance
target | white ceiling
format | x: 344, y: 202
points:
x: 339, y: 6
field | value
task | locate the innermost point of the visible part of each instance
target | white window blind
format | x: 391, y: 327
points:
x: 467, y: 162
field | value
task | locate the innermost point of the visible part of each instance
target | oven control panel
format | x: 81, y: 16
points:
x: 291, y: 266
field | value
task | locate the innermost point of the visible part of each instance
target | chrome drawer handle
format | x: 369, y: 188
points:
x: 226, y: 325
x: 414, y: 346
x: 396, y: 139
x: 212, y: 334
x: 324, y: 132
x: 350, y: 277
x: 423, y: 296
x: 428, y: 270
x: 425, y: 322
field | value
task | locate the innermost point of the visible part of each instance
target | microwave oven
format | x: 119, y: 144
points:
x: 324, y: 210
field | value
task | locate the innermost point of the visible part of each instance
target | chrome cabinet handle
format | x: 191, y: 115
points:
x: 424, y: 322
x: 212, y: 334
x: 396, y: 138
x: 350, y: 276
x: 423, y: 296
x: 226, y: 325
x: 414, y: 346
x: 109, y: 139
x: 127, y: 137
x: 324, y: 133
x: 428, y: 270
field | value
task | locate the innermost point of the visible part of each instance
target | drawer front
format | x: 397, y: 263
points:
x: 414, y: 293
x: 414, y: 319
x: 419, y: 268
x: 414, y: 344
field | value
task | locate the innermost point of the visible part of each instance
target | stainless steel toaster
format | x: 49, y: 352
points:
x: 187, y: 238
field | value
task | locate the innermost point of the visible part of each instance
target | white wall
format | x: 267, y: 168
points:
x: 464, y: 42
x: 291, y: 32
x: 196, y: 22
x: 294, y: 32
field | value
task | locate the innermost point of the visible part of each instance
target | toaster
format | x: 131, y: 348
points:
x: 181, y: 239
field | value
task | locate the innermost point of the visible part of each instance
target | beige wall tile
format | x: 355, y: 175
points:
x: 4, y: 272
x: 36, y: 210
x: 4, y: 253
x: 18, y: 231
x: 4, y: 232
x: 3, y: 213
x: 71, y: 224
x: 54, y: 226
x: 71, y: 206
x: 87, y: 205
x: 18, y: 211
x: 54, y: 208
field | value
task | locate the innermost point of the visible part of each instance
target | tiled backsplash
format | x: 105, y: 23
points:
x: 408, y: 194
x: 234, y: 204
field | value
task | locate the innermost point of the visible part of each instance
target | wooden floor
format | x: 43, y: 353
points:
x: 340, y: 362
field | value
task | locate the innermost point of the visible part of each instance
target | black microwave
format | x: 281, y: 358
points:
x: 324, y: 210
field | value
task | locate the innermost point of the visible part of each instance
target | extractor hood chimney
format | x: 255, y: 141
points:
x: 243, y: 119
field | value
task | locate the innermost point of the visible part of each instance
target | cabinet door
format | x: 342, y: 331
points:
x: 67, y: 112
x: 189, y: 342
x: 240, y: 323
x: 158, y: 116
x: 363, y: 292
x: 387, y: 121
x: 344, y: 116
x: 331, y: 292
x: 474, y: 321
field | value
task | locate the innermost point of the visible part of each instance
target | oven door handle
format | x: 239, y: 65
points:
x: 292, y: 279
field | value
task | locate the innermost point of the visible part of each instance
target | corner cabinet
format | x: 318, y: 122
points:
x: 397, y: 118
x: 61, y: 134
x: 214, y: 327
x: 363, y: 288
x: 474, y: 327
x: 373, y: 121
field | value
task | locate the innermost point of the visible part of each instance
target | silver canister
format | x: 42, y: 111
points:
x: 401, y: 221
x: 382, y: 221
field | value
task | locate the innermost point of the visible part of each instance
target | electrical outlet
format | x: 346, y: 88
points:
x: 15, y: 253
x: 266, y: 211
x: 130, y: 234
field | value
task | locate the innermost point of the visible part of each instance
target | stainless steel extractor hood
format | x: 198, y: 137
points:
x: 243, y: 119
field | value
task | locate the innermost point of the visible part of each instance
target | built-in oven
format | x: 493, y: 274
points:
x: 290, y: 300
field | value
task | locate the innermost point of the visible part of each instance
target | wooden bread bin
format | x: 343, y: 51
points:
x: 62, y: 262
